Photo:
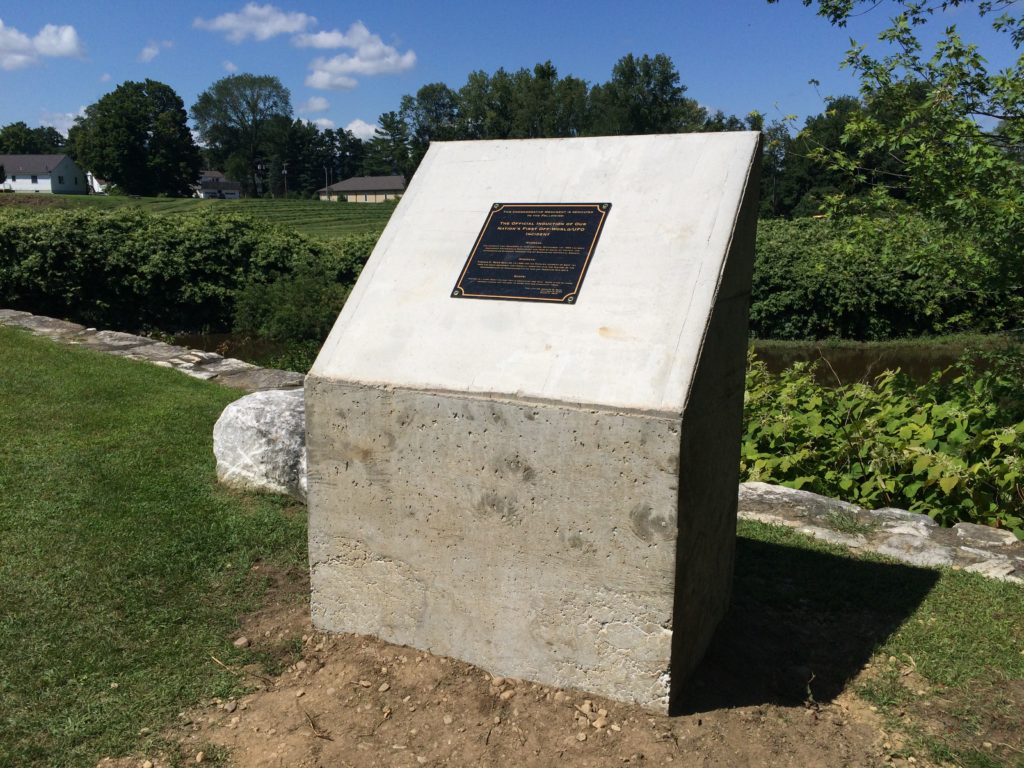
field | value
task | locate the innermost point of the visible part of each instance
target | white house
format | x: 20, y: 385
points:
x: 57, y: 174
x: 215, y: 185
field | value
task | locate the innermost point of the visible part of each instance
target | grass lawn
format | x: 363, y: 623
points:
x: 124, y: 567
x: 311, y: 217
x: 943, y: 650
x: 123, y: 564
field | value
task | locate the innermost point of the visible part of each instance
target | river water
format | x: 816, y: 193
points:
x: 838, y: 362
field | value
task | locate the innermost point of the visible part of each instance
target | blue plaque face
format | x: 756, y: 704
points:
x: 533, y: 252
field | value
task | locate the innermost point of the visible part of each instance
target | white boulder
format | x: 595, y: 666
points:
x: 260, y: 442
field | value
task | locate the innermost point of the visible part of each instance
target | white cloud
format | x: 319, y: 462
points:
x: 229, y: 66
x: 57, y: 41
x: 371, y: 56
x: 61, y: 120
x: 152, y: 50
x: 334, y: 39
x: 361, y: 129
x: 314, y: 104
x: 323, y: 123
x: 328, y: 81
x: 260, y: 22
x: 105, y: 77
x: 18, y: 50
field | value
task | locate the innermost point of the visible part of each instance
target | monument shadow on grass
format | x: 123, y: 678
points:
x: 801, y: 624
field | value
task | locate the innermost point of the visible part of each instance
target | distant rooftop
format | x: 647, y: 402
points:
x: 36, y: 164
x: 368, y: 184
x: 222, y: 185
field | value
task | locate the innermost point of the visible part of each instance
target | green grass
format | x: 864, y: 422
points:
x: 122, y: 561
x: 946, y: 647
x: 310, y: 217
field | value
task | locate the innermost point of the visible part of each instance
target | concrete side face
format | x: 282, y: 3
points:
x: 710, y: 457
x: 537, y: 541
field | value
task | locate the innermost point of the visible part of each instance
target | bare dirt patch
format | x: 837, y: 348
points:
x: 345, y: 700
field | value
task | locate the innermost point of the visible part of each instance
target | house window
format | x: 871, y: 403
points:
x: 14, y: 178
x: 35, y: 179
x: 60, y: 179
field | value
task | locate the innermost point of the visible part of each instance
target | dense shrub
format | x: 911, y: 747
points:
x: 128, y: 269
x: 301, y: 304
x: 873, y: 277
x: 951, y: 449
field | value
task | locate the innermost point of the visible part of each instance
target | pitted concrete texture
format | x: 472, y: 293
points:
x: 535, y: 540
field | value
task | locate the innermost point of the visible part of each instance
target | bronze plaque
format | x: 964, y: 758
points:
x: 533, y: 252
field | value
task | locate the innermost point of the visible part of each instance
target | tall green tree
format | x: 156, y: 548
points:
x: 952, y: 127
x: 19, y: 139
x: 236, y: 119
x: 433, y: 114
x: 644, y: 95
x: 137, y: 137
x: 387, y: 153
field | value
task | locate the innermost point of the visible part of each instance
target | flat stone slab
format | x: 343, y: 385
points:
x: 909, y: 537
x: 44, y: 326
x: 110, y: 341
x: 258, y: 379
x: 195, y: 363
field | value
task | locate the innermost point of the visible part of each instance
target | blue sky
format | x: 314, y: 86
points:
x: 345, y: 63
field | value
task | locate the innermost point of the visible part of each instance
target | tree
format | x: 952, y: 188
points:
x: 433, y: 114
x: 19, y: 139
x: 644, y: 95
x: 387, y: 153
x: 232, y: 118
x: 137, y: 137
x: 952, y: 129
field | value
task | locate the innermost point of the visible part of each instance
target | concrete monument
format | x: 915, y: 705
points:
x: 523, y: 431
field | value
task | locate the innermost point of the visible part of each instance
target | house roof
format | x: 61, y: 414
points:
x: 368, y: 184
x: 219, y: 184
x: 30, y: 163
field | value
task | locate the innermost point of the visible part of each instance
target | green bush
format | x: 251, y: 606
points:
x: 951, y: 449
x: 128, y: 269
x: 302, y: 304
x: 873, y: 277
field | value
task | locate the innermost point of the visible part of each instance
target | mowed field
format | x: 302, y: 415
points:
x: 310, y: 217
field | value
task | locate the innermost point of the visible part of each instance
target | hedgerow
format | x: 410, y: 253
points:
x: 302, y: 304
x: 131, y: 270
x: 874, y: 277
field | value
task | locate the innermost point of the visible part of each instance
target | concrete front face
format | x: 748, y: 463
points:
x: 535, y: 540
x: 548, y: 491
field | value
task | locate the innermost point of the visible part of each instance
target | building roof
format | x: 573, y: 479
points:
x: 220, y: 184
x: 30, y: 163
x: 368, y: 184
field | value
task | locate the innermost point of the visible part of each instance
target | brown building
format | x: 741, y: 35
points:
x: 365, y: 189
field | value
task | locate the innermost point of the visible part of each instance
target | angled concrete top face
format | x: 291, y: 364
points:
x: 633, y: 337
